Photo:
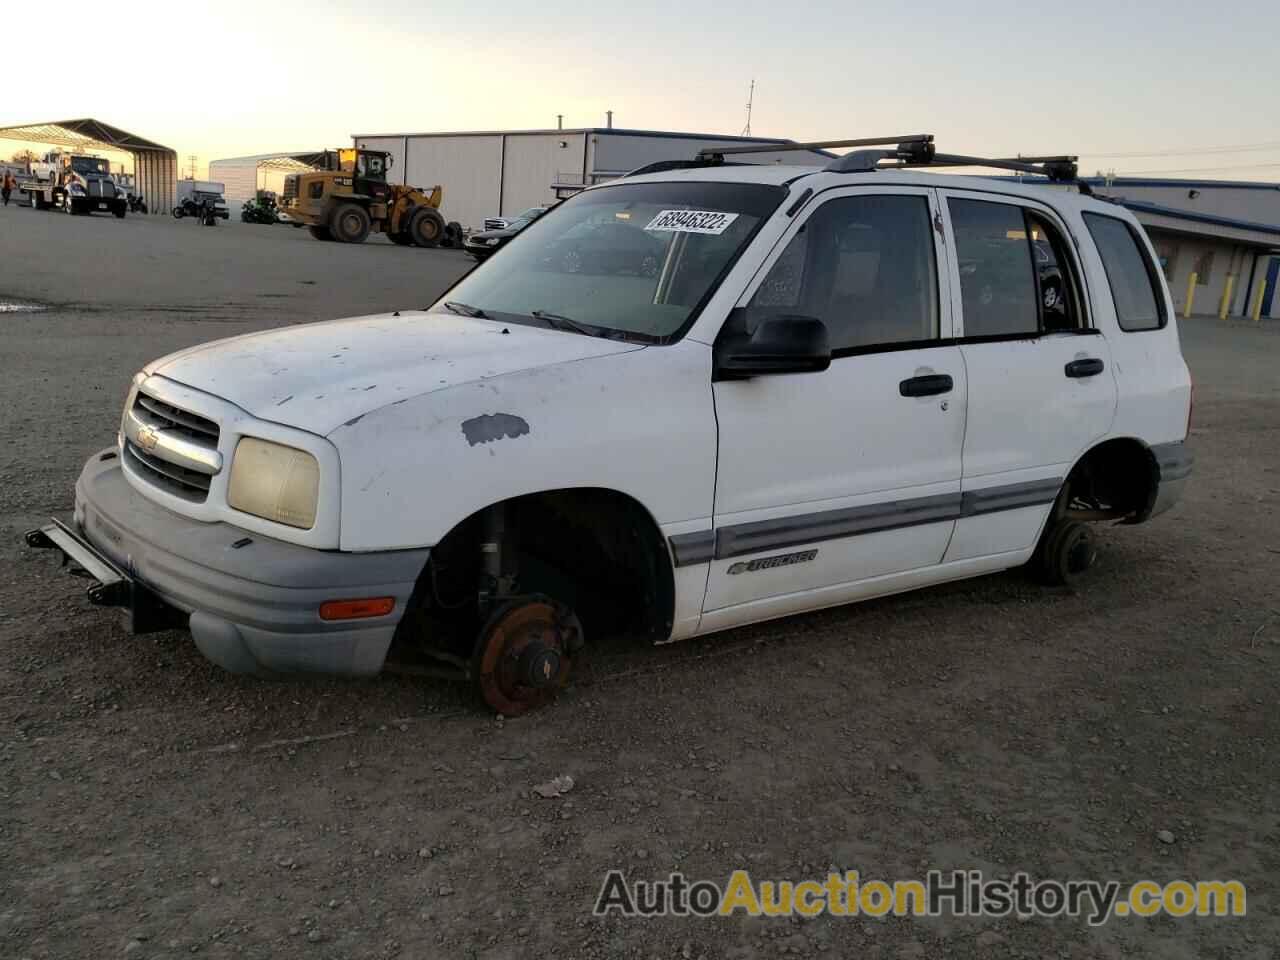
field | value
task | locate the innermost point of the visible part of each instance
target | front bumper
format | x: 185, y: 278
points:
x: 252, y: 602
x: 99, y: 204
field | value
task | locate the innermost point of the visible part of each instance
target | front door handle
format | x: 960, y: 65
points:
x: 927, y: 386
x: 1088, y: 367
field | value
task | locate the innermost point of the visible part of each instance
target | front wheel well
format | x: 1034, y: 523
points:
x: 1115, y: 480
x: 597, y: 550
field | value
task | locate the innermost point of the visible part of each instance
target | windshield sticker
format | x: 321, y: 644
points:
x: 692, y: 221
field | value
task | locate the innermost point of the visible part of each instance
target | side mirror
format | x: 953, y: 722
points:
x: 787, y: 343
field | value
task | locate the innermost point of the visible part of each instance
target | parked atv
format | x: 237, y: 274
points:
x: 206, y: 211
x: 202, y: 200
x: 260, y: 209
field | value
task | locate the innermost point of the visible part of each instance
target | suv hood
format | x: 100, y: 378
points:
x: 317, y: 377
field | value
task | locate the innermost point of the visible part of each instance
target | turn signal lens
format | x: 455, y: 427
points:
x: 357, y: 609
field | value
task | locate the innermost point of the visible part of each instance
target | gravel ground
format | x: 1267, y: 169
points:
x: 153, y: 806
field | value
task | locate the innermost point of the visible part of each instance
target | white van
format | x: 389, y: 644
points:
x: 682, y: 401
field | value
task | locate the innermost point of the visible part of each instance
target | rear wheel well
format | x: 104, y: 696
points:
x: 1116, y: 480
x: 598, y: 551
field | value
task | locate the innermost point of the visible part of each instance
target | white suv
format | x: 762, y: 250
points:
x: 680, y: 402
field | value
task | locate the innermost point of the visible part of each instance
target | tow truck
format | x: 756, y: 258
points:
x: 73, y: 183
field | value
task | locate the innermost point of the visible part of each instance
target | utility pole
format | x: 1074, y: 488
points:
x: 751, y: 97
x: 192, y: 160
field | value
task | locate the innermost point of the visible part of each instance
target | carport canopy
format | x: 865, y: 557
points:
x: 155, y: 166
x: 292, y: 162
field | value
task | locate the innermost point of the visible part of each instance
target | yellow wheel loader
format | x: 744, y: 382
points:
x: 349, y: 196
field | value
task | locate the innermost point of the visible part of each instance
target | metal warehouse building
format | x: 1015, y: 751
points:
x: 499, y: 173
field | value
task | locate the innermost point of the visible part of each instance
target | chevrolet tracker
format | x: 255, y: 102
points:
x: 702, y: 395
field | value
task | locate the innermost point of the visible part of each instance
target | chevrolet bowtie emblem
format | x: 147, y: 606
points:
x: 148, y: 438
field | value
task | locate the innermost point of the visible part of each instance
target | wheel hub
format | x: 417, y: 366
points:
x: 522, y: 658
x: 1080, y: 554
x: 538, y: 665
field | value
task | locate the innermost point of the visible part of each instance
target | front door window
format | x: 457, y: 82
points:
x: 865, y: 267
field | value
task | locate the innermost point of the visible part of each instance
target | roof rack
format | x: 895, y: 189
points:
x: 712, y: 153
x: 1058, y: 169
x: 914, y: 150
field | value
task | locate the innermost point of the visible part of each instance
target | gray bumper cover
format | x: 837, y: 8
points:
x: 1175, y: 462
x: 254, y: 608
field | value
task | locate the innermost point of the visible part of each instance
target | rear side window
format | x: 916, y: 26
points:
x: 1017, y: 278
x: 1130, y: 274
x: 997, y: 277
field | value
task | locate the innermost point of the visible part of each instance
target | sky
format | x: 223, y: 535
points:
x: 1135, y: 87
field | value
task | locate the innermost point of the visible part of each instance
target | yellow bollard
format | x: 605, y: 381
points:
x: 1226, y: 297
x: 1257, y: 301
x: 1191, y: 294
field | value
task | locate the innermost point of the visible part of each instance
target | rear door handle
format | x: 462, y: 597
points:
x: 1088, y: 367
x: 926, y: 386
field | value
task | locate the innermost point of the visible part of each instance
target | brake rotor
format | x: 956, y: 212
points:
x: 523, y: 656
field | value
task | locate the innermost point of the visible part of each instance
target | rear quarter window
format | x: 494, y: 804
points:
x: 1135, y: 289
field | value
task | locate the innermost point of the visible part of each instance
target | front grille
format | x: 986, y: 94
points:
x: 101, y: 188
x: 165, y: 416
x: 495, y: 224
x: 178, y: 480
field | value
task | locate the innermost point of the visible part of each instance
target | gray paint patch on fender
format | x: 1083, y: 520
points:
x: 494, y: 426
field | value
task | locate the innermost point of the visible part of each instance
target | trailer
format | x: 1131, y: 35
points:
x: 74, y: 183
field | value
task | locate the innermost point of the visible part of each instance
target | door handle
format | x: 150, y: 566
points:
x: 1088, y: 367
x: 927, y: 386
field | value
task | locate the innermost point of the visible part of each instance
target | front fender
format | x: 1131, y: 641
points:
x: 640, y: 422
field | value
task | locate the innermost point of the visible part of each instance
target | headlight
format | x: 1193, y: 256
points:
x: 493, y: 241
x: 76, y: 190
x: 275, y: 482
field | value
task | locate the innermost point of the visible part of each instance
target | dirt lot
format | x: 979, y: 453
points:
x: 153, y: 806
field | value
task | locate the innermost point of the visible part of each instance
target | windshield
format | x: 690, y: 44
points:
x: 371, y: 165
x: 89, y: 165
x: 636, y: 260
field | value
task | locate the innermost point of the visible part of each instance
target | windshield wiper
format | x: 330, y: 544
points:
x: 465, y: 309
x: 561, y: 322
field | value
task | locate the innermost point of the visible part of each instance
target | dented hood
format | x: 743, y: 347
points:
x: 319, y: 376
